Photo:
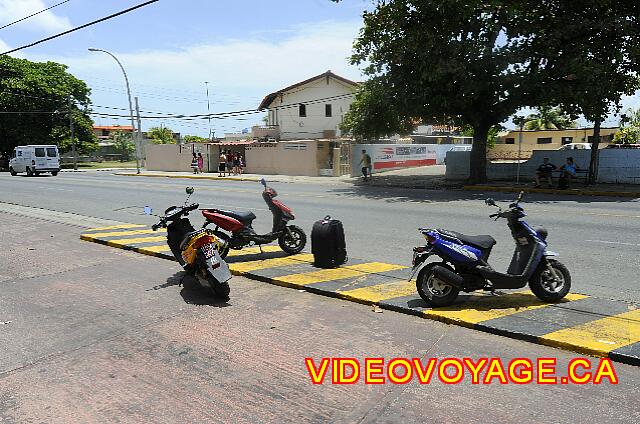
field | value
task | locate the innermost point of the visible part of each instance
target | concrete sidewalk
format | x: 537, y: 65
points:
x: 426, y: 178
x: 243, y: 177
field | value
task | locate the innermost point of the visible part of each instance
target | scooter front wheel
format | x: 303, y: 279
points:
x: 293, y: 241
x: 433, y: 290
x: 551, y: 281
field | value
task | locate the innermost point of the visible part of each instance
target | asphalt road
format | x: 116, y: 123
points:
x: 94, y: 334
x: 597, y: 237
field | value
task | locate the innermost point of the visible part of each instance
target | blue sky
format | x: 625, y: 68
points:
x: 244, y: 48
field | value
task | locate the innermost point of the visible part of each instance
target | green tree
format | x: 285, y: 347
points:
x: 195, y: 139
x: 34, y: 106
x: 548, y: 118
x: 627, y: 135
x: 123, y: 142
x: 372, y: 116
x: 492, y: 135
x: 629, y: 132
x: 591, y: 47
x: 469, y: 62
x: 161, y: 135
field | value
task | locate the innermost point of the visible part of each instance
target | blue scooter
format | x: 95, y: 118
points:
x: 464, y: 267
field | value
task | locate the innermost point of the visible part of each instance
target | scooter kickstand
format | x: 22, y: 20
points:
x: 260, y: 246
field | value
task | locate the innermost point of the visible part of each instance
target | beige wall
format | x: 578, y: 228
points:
x: 530, y: 141
x: 284, y: 158
x: 174, y: 157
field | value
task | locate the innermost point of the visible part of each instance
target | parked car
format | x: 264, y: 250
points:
x: 35, y: 159
x: 576, y: 146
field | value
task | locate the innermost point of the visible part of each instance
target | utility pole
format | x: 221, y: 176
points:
x: 73, y: 142
x: 139, y: 134
x: 206, y: 83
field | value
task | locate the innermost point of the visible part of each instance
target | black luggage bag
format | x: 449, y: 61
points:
x: 327, y: 243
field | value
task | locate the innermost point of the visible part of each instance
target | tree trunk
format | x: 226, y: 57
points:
x: 478, y: 162
x: 593, y: 164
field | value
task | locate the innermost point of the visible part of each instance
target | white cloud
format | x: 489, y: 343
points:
x: 12, y: 10
x: 237, y: 64
x: 245, y: 69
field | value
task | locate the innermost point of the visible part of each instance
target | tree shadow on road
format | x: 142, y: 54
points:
x: 403, y: 194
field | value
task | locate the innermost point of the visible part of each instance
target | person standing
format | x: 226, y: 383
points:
x: 194, y: 163
x: 222, y: 163
x: 229, y: 162
x: 236, y: 163
x: 200, y: 163
x: 365, y: 162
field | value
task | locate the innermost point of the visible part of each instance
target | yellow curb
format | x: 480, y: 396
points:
x: 193, y: 177
x: 552, y: 191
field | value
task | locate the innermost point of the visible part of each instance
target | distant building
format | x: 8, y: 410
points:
x: 310, y: 109
x: 506, y: 146
x: 106, y: 132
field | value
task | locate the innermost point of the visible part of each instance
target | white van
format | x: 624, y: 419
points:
x: 35, y: 159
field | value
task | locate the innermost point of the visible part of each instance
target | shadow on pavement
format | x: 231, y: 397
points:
x: 432, y: 195
x: 192, y: 293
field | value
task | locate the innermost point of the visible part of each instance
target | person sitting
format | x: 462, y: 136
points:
x: 568, y: 172
x: 544, y: 171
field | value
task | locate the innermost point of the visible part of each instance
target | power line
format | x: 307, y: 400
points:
x: 34, y: 14
x: 220, y: 115
x: 82, y: 26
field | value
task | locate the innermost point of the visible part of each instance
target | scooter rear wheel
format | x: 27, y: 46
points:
x: 434, y: 291
x: 545, y: 286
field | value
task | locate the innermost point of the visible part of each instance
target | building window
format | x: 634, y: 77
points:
x: 105, y: 133
x: 327, y: 111
x: 544, y: 140
x: 303, y: 110
x: 509, y: 141
x: 567, y: 140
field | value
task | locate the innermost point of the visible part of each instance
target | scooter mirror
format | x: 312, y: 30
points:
x: 490, y: 202
x: 190, y: 190
x: 263, y: 182
x: 520, y: 196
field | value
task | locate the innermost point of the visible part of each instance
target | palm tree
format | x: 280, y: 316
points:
x: 548, y: 118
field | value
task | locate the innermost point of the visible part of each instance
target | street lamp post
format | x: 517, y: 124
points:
x: 126, y: 80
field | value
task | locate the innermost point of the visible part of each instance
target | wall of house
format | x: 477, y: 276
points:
x: 284, y: 158
x: 501, y: 150
x: 294, y: 127
x: 616, y: 165
x: 175, y: 157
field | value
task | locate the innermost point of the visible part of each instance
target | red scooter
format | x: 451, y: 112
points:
x: 291, y: 238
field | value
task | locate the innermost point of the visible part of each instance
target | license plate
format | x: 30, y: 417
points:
x: 208, y: 250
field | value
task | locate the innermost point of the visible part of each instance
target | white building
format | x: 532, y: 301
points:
x: 310, y: 109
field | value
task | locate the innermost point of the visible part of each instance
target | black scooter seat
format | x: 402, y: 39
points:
x: 483, y: 242
x: 244, y: 217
